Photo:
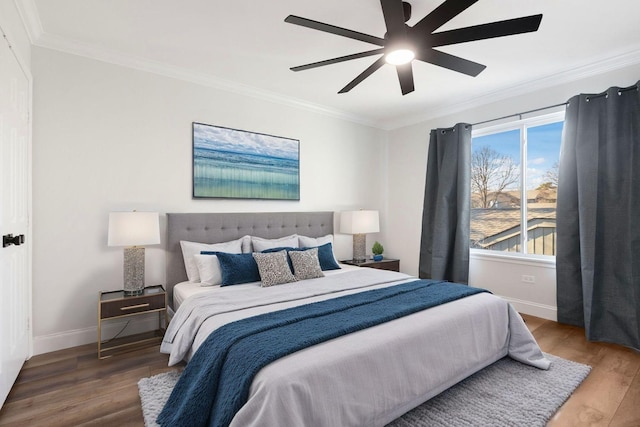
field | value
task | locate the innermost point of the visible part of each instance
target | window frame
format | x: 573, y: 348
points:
x: 521, y: 124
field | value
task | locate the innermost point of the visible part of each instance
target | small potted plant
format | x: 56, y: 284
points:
x: 377, y: 250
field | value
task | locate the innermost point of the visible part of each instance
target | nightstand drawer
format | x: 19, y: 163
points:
x: 393, y: 265
x: 384, y: 264
x: 131, y: 305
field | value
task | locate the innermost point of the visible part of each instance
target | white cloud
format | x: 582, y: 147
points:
x: 536, y: 161
x: 224, y: 139
x: 535, y: 177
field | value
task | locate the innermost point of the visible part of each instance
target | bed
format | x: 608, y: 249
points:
x: 368, y: 377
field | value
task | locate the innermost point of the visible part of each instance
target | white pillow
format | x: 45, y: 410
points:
x: 312, y: 242
x: 189, y: 249
x: 209, y: 270
x: 260, y: 244
x: 246, y: 244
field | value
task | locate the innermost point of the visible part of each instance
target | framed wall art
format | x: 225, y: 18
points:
x: 237, y: 164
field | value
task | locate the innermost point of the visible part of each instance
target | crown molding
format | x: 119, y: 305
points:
x: 604, y: 65
x: 74, y: 47
x: 30, y: 18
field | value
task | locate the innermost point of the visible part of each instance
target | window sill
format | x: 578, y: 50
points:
x: 544, y: 261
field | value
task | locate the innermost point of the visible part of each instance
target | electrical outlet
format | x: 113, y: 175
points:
x: 528, y: 279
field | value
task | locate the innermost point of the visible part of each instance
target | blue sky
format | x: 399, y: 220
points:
x: 543, y: 148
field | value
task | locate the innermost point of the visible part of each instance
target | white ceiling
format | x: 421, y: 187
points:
x: 246, y: 46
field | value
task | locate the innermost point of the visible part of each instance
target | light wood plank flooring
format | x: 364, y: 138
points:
x: 610, y: 395
x: 72, y: 387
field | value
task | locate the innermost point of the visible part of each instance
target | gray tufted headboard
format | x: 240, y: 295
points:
x: 222, y: 227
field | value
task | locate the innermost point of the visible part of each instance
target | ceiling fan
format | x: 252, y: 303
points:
x: 402, y: 44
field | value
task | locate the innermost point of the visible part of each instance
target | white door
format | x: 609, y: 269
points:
x: 15, y: 199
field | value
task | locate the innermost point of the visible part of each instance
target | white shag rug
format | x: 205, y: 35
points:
x: 504, y: 394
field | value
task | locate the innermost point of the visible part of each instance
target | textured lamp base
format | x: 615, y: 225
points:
x: 359, y: 247
x: 133, y: 271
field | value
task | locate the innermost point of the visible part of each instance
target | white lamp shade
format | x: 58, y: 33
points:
x: 133, y: 228
x: 359, y: 222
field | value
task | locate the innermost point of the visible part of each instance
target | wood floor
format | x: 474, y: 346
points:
x: 72, y: 387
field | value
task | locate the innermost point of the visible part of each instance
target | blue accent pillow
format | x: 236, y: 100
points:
x: 282, y: 248
x: 327, y: 260
x: 236, y: 268
x: 325, y: 256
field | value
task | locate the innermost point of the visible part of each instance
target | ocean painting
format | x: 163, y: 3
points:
x: 231, y: 163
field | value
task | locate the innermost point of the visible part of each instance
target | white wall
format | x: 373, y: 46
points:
x: 407, y: 166
x: 109, y: 138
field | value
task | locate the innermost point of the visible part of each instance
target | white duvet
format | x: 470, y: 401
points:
x: 366, y: 378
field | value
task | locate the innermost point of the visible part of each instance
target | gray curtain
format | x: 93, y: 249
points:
x: 598, y: 217
x: 444, y: 248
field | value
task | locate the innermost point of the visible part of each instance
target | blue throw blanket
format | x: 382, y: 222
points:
x: 215, y: 384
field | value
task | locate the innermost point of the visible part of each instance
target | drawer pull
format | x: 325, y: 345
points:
x: 133, y: 307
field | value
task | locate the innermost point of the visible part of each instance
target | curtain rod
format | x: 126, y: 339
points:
x: 519, y: 114
x: 634, y: 87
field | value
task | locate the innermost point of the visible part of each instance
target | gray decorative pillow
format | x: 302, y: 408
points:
x: 274, y: 268
x: 306, y: 264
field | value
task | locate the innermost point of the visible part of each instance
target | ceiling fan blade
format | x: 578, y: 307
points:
x: 405, y: 75
x: 328, y: 28
x: 441, y: 15
x: 393, y: 12
x: 366, y: 73
x: 451, y: 62
x: 337, y: 60
x: 508, y: 27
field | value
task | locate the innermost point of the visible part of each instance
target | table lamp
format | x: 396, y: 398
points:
x: 359, y: 223
x: 133, y: 230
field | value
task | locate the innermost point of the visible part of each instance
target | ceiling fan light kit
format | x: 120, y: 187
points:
x: 403, y: 44
x: 400, y: 56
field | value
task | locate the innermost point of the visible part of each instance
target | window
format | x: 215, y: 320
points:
x: 510, y: 203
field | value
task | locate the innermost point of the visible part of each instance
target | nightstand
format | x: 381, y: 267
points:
x: 115, y: 305
x: 385, y: 264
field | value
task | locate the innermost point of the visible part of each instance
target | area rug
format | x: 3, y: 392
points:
x: 506, y: 393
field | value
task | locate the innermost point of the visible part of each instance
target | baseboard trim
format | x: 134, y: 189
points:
x: 67, y: 339
x: 543, y: 311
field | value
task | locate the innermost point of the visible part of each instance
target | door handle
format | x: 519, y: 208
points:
x: 10, y: 239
